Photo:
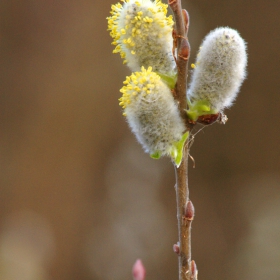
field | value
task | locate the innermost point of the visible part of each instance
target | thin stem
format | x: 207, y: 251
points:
x: 184, y: 225
x: 183, y: 50
x: 182, y: 191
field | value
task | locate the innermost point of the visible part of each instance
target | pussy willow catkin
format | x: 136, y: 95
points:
x: 142, y: 34
x: 219, y: 70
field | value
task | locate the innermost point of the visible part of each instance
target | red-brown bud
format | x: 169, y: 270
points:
x: 189, y: 211
x: 176, y: 248
x: 193, y: 270
x: 186, y: 20
x: 138, y: 271
x: 184, y: 51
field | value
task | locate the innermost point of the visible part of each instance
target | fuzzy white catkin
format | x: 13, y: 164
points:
x: 142, y: 34
x: 220, y: 69
x: 151, y: 112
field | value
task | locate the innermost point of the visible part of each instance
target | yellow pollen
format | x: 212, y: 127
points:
x: 129, y: 28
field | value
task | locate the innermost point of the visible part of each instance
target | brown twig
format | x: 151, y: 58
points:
x: 183, y: 50
x: 185, y: 209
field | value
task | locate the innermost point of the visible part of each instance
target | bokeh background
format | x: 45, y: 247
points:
x: 78, y: 197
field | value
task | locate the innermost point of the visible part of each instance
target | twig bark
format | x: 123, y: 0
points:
x: 185, y: 210
x: 183, y: 50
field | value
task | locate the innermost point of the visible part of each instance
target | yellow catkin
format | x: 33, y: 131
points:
x: 126, y: 29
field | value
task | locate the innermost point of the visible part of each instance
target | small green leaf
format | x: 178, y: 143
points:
x: 177, y: 149
x: 174, y: 153
x: 199, y: 108
x: 155, y: 155
x: 192, y: 115
x: 169, y: 80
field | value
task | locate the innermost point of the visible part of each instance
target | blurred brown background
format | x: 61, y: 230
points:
x: 78, y: 197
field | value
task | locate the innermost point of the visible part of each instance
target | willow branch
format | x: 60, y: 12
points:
x: 185, y: 209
